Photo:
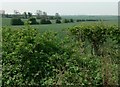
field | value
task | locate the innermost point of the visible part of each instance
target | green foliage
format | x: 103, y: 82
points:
x: 28, y: 55
x: 29, y: 58
x: 115, y: 34
x: 71, y: 20
x: 35, y: 59
x: 96, y: 35
x: 25, y: 15
x: 45, y: 21
x: 29, y: 15
x: 104, y: 43
x: 58, y: 21
x: 65, y: 21
x: 16, y: 21
x: 33, y: 21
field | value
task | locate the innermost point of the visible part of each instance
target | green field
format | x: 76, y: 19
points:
x: 59, y: 28
x: 109, y: 19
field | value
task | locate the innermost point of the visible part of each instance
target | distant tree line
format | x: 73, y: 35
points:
x: 42, y: 16
x: 80, y: 20
x: 39, y: 15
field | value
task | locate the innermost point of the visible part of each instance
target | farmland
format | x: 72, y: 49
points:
x: 110, y: 20
x: 60, y: 28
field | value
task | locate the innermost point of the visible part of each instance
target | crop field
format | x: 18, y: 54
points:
x: 109, y: 19
x: 112, y: 20
x: 61, y: 28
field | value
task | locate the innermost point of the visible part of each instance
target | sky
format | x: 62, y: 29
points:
x: 71, y: 7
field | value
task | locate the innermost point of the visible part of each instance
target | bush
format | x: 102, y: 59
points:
x: 16, y: 21
x: 45, y: 21
x: 71, y: 20
x: 33, y: 21
x: 65, y: 21
x: 31, y: 58
x: 58, y: 21
x: 48, y: 22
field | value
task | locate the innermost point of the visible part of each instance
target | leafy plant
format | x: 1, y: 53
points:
x: 32, y: 58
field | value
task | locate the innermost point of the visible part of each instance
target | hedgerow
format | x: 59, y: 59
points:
x: 35, y: 59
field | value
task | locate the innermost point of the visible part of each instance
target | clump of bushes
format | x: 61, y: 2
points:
x: 81, y: 20
x: 71, y: 20
x: 16, y: 21
x: 58, y: 21
x: 33, y: 21
x: 45, y: 21
x: 65, y: 21
x: 32, y: 58
x: 68, y: 21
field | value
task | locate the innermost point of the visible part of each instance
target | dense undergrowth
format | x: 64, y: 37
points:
x: 88, y: 55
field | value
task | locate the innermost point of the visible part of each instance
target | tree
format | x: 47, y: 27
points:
x: 32, y: 21
x: 16, y: 21
x: 16, y: 13
x: 71, y: 20
x: 45, y: 21
x: 25, y: 15
x: 58, y: 21
x: 39, y: 14
x: 66, y: 21
x: 6, y: 15
x: 57, y: 16
x: 2, y: 13
x: 29, y: 14
x: 45, y: 15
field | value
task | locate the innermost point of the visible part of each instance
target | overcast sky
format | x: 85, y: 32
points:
x: 64, y: 8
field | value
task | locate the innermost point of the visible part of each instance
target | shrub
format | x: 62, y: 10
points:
x: 45, y: 21
x: 31, y: 58
x: 80, y: 20
x: 66, y: 21
x: 71, y: 20
x: 33, y: 21
x: 16, y: 21
x: 48, y: 22
x: 58, y: 21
